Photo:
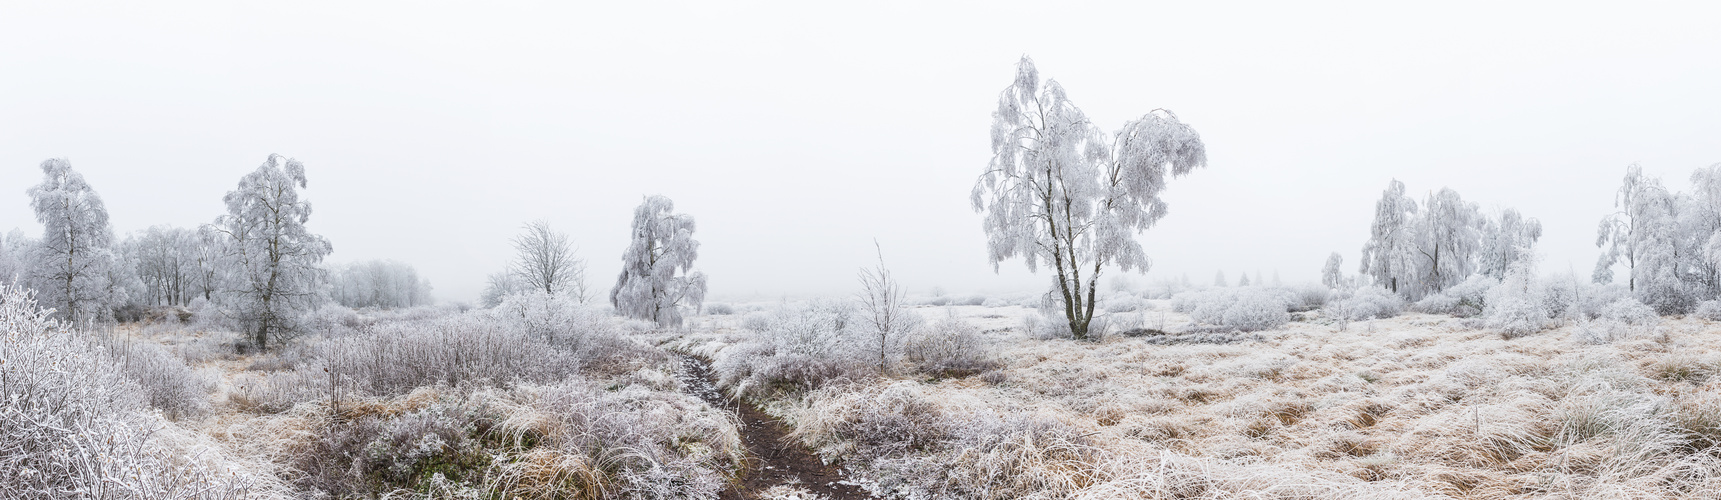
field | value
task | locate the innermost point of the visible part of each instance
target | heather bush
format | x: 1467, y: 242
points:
x: 1365, y: 303
x: 1515, y: 307
x: 395, y: 358
x: 1463, y: 300
x: 719, y: 309
x: 1305, y: 297
x: 168, y: 385
x: 910, y: 446
x: 1709, y: 310
x: 949, y: 347
x: 1244, y: 308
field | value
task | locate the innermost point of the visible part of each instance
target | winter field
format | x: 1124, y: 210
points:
x: 547, y: 399
x: 231, y: 359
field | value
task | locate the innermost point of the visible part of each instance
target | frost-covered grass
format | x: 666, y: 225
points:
x: 1412, y: 406
x: 536, y: 399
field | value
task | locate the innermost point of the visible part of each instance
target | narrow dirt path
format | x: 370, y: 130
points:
x: 773, y: 458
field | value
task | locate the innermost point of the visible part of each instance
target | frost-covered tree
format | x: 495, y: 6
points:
x: 15, y: 248
x: 272, y: 256
x: 886, y: 320
x: 1332, y: 274
x: 497, y: 287
x: 1615, y: 233
x: 378, y: 283
x: 544, y: 261
x: 1243, y: 280
x: 1059, y: 190
x: 1219, y: 279
x: 72, y: 263
x: 1507, y: 241
x: 165, y: 259
x: 656, y: 277
x: 1448, y: 240
x: 1387, y: 258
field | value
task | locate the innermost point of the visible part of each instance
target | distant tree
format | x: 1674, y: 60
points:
x: 1505, y: 242
x: 545, y: 262
x: 885, y: 314
x: 1615, y: 233
x: 15, y: 251
x: 1332, y: 274
x: 73, y: 260
x: 498, y: 286
x: 1449, y: 235
x: 165, y: 260
x: 1219, y: 279
x: 657, y: 277
x: 1387, y: 257
x: 1059, y: 190
x: 378, y: 283
x: 1243, y: 280
x: 273, y: 257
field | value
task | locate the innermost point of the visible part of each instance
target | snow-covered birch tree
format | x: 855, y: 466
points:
x: 1332, y: 274
x: 657, y: 278
x: 1059, y: 190
x: 1614, y: 234
x: 273, y: 257
x: 1387, y: 257
x: 1506, y: 241
x: 1449, y: 236
x: 73, y: 260
x: 545, y: 262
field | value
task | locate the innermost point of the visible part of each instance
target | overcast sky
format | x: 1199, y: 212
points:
x: 798, y: 132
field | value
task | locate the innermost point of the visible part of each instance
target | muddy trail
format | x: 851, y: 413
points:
x: 773, y: 458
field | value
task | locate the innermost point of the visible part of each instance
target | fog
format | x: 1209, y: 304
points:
x: 799, y: 134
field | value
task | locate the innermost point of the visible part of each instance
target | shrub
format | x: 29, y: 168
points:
x: 1515, y: 306
x: 949, y: 347
x: 1466, y: 299
x: 719, y: 309
x: 395, y: 358
x: 1369, y: 302
x: 1709, y: 310
x: 1247, y: 309
x: 75, y: 426
x: 1306, y: 297
x: 168, y: 385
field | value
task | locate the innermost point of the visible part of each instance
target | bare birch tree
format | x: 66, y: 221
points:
x: 545, y: 261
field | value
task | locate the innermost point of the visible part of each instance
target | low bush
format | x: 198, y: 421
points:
x: 1364, y: 303
x: 1466, y: 299
x: 1245, y: 309
x: 719, y: 309
x: 949, y: 348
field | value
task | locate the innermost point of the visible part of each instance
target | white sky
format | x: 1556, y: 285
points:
x: 798, y: 132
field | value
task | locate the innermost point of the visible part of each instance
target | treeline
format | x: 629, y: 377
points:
x: 256, y: 265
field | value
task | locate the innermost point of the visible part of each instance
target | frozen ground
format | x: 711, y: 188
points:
x: 1410, y: 407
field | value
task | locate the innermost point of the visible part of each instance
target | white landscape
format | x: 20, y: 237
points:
x: 859, y: 252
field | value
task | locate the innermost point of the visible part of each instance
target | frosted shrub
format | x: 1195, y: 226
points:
x: 1515, y: 307
x: 1631, y: 312
x: 997, y: 302
x: 1122, y: 303
x: 719, y: 309
x: 1466, y: 299
x: 913, y: 447
x: 949, y: 347
x: 1247, y: 309
x: 73, y: 426
x: 756, y: 321
x: 335, y: 320
x: 1043, y: 326
x: 1306, y: 297
x: 168, y: 384
x: 558, y: 319
x: 396, y: 358
x: 1365, y: 303
x: 1709, y: 310
x: 802, y: 347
